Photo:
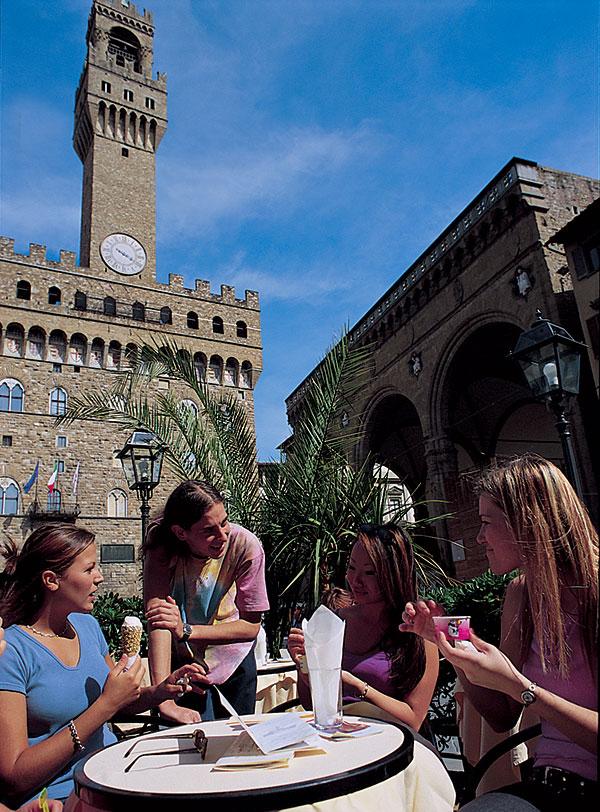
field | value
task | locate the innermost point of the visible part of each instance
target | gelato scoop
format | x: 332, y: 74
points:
x: 131, y: 639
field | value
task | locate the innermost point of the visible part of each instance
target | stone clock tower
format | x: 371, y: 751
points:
x: 120, y: 118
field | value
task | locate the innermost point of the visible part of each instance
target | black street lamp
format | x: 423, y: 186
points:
x: 550, y: 359
x: 142, y: 458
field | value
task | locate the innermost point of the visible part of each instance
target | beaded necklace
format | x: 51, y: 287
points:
x: 45, y: 634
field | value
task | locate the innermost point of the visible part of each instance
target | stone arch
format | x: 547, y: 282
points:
x: 14, y: 340
x: 393, y: 435
x: 231, y: 374
x: 97, y: 353
x: 113, y: 359
x: 57, y: 347
x: 36, y: 344
x: 246, y: 375
x: 477, y: 388
x: 101, y: 120
x: 200, y: 365
x: 77, y: 349
x: 215, y: 369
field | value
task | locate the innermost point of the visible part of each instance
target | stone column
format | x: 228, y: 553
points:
x: 442, y: 468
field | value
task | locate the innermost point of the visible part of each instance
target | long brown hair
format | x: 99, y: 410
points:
x: 185, y: 506
x: 50, y: 547
x: 390, y: 551
x: 559, y: 551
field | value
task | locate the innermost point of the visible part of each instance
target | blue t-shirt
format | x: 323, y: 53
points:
x: 55, y: 692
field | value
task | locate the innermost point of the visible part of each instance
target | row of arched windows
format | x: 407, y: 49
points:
x: 97, y: 354
x: 137, y: 309
x: 126, y: 126
x: 10, y: 500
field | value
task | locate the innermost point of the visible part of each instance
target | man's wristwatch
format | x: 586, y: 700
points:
x: 528, y: 696
x: 187, y: 633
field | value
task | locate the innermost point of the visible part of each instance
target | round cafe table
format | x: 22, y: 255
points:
x: 366, y: 769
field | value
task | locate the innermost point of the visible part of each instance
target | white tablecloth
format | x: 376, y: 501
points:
x: 424, y: 786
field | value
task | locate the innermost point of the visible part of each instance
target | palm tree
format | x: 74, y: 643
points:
x: 305, y: 508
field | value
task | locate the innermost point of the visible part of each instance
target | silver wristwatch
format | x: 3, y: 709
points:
x: 187, y: 633
x: 528, y: 696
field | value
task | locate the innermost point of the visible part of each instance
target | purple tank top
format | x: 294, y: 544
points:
x: 554, y: 749
x: 372, y: 668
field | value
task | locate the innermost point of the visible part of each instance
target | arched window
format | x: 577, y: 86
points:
x: 215, y: 370
x: 97, y: 353
x: 217, y: 325
x: 54, y: 295
x: 9, y: 497
x: 131, y: 355
x: 241, y: 330
x: 246, y: 375
x: 189, y: 404
x: 53, y: 502
x: 23, y: 290
x: 117, y: 503
x: 80, y: 301
x: 110, y: 306
x: 11, y: 395
x: 58, y: 401
x: 200, y: 366
x: 57, y: 347
x: 77, y: 349
x: 124, y: 47
x: 14, y: 340
x: 113, y: 360
x: 138, y: 311
x: 192, y: 320
x: 166, y: 315
x: 231, y: 372
x: 36, y: 344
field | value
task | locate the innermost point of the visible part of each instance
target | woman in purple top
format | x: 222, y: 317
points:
x: 396, y: 673
x: 531, y: 519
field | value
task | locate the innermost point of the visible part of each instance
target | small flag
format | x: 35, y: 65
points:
x: 32, y: 479
x: 75, y: 481
x: 52, y: 480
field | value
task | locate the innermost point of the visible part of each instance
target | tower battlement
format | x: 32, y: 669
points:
x: 176, y: 284
x: 124, y: 11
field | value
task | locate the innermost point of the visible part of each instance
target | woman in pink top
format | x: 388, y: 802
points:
x: 532, y: 520
x: 381, y: 666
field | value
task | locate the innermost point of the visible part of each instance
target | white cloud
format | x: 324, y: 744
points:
x: 280, y: 170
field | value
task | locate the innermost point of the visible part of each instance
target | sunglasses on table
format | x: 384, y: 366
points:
x: 198, y: 737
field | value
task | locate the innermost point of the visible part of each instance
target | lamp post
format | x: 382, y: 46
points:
x: 142, y: 458
x: 550, y: 359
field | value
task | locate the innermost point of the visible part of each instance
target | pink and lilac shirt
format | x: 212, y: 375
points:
x: 217, y: 593
x: 554, y: 749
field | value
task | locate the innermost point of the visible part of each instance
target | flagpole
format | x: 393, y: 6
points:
x: 35, y: 497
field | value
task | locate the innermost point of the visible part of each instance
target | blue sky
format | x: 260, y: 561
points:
x: 315, y: 147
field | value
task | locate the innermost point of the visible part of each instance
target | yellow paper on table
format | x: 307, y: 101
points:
x: 244, y: 754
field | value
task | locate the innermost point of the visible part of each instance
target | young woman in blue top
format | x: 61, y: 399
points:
x: 58, y: 683
x: 32, y: 806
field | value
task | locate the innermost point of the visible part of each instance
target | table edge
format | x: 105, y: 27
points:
x: 321, y: 789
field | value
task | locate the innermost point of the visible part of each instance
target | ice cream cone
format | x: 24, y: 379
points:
x: 131, y: 639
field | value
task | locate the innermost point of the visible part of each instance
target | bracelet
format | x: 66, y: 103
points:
x: 77, y: 745
x: 364, y: 692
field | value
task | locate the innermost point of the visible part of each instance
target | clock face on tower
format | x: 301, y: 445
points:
x: 123, y: 254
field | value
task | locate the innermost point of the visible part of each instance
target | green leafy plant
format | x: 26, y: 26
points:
x: 481, y: 598
x: 110, y: 609
x: 306, y: 508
